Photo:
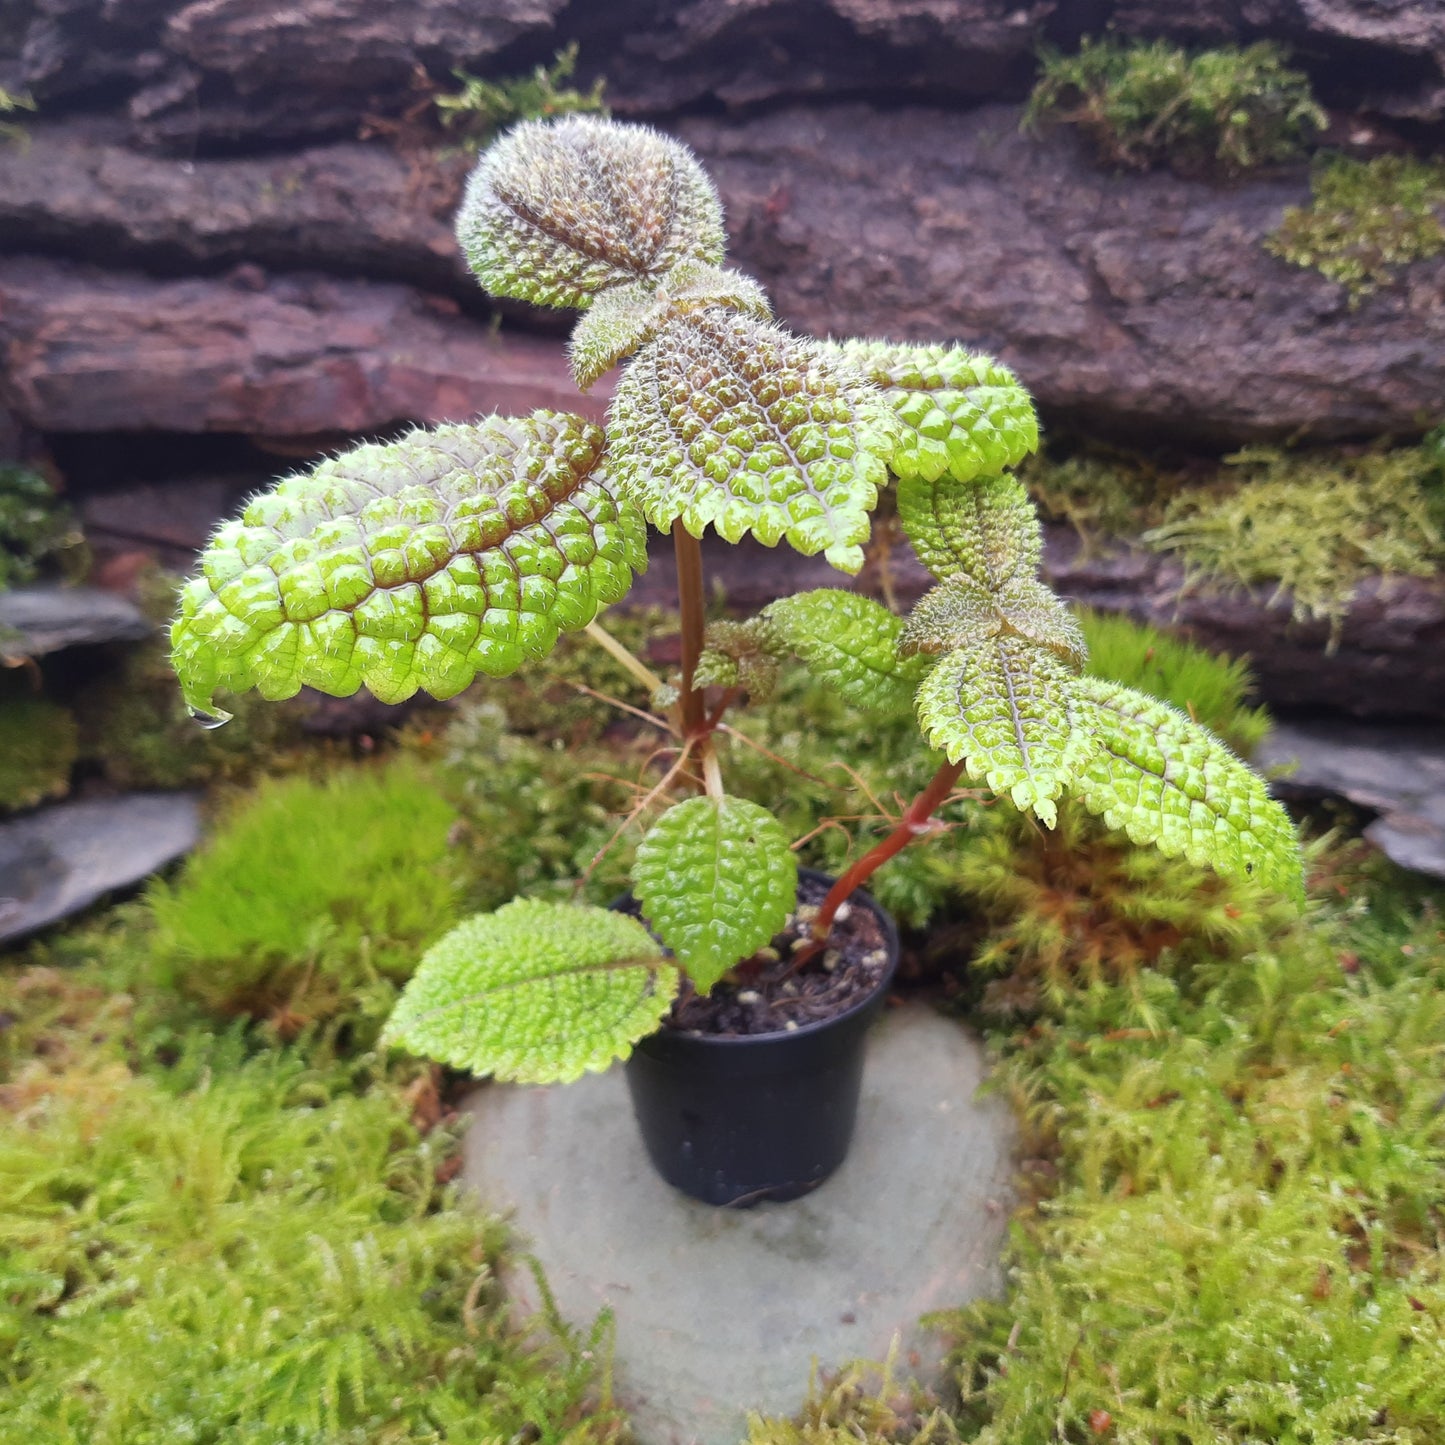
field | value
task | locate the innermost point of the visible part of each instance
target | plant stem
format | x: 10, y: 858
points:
x: 635, y: 665
x: 691, y: 605
x: 912, y: 825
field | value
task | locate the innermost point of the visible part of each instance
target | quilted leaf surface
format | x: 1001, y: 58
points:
x: 1004, y: 707
x: 726, y: 420
x: 535, y: 993
x: 1168, y: 782
x: 556, y: 212
x: 413, y: 564
x: 963, y: 415
x: 987, y: 532
x: 716, y: 879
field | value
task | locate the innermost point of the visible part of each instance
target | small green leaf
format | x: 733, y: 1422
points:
x: 1004, y: 707
x: 626, y: 317
x: 850, y: 643
x: 986, y: 531
x: 535, y: 993
x: 959, y: 613
x: 744, y: 654
x: 717, y: 880
x: 413, y: 564
x: 963, y: 415
x: 557, y: 212
x: 728, y: 421
x: 1166, y: 781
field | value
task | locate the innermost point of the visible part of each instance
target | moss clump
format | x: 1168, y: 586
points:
x: 1314, y: 526
x: 36, y: 530
x: 313, y: 900
x: 1100, y: 496
x: 481, y: 108
x: 1366, y: 220
x: 38, y: 747
x: 230, y: 1245
x: 1211, y: 688
x: 1145, y: 105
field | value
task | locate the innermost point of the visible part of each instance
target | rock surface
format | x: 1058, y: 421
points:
x: 720, y: 1311
x: 58, y: 861
x: 1396, y: 773
x: 1140, y: 304
x: 227, y: 72
x: 35, y: 621
x: 90, y: 350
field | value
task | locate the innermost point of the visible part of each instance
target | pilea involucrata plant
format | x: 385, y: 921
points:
x: 467, y: 549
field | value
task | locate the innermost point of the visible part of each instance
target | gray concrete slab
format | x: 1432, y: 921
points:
x: 724, y: 1311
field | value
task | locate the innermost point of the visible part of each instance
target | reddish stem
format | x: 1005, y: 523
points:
x: 692, y: 609
x: 911, y: 826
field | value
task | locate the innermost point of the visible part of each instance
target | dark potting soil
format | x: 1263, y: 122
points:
x: 763, y: 995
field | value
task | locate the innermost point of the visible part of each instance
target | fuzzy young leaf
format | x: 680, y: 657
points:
x: 1167, y: 782
x: 963, y: 415
x: 1004, y: 707
x: 717, y: 880
x: 958, y: 613
x: 557, y: 212
x: 413, y: 564
x: 742, y: 654
x: 848, y: 642
x: 728, y: 421
x: 626, y: 317
x: 535, y: 993
x: 987, y: 532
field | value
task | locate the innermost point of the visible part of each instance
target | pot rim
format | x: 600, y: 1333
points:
x: 869, y: 1001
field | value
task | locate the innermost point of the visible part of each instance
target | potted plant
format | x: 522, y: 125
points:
x: 464, y: 550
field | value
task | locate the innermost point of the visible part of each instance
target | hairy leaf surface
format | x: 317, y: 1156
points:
x: 963, y: 415
x: 959, y: 613
x: 850, y: 643
x: 743, y: 654
x: 987, y: 532
x: 413, y: 564
x: 556, y: 212
x: 728, y: 421
x: 1004, y: 707
x: 535, y: 993
x: 1168, y: 782
x: 621, y: 320
x: 716, y: 880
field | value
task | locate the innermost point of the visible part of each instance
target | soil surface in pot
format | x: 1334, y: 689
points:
x: 764, y: 995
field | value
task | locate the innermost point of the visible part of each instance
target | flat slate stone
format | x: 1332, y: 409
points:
x: 1396, y: 772
x: 37, y: 620
x: 62, y: 859
x: 723, y: 1311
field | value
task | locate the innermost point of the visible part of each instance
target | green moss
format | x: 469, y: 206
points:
x: 313, y: 900
x: 482, y: 108
x: 36, y: 530
x: 1100, y: 496
x: 1366, y: 220
x: 1210, y: 687
x: 1150, y: 104
x: 38, y: 748
x: 1315, y: 526
x: 251, y: 1248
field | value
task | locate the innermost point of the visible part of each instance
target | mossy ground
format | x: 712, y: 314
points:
x: 227, y: 1218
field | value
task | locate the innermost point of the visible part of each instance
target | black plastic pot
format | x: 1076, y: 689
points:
x: 734, y: 1121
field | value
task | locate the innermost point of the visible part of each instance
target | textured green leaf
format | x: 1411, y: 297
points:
x: 716, y: 880
x: 413, y: 564
x: 556, y: 212
x: 1004, y: 707
x: 963, y: 415
x: 535, y: 993
x: 849, y: 642
x: 987, y: 532
x: 959, y: 613
x: 625, y: 318
x: 1166, y: 781
x: 728, y: 421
